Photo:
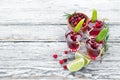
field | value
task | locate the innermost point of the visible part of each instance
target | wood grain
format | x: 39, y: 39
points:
x: 51, y: 12
x: 44, y: 33
x: 28, y: 60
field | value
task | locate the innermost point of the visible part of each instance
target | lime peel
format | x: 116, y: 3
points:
x: 76, y: 65
x: 86, y: 58
x: 79, y: 25
x: 101, y: 36
x: 94, y: 15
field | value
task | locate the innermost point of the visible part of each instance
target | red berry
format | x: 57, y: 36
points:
x: 79, y: 18
x: 84, y: 24
x: 55, y: 56
x: 97, y: 25
x: 65, y: 60
x: 76, y: 19
x: 61, y: 61
x: 75, y: 23
x: 77, y: 15
x: 73, y: 38
x: 65, y: 67
x: 99, y: 22
x: 65, y: 52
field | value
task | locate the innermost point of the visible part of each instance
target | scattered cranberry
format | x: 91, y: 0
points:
x: 65, y: 52
x: 65, y: 60
x: 61, y: 61
x: 55, y: 56
x: 65, y: 67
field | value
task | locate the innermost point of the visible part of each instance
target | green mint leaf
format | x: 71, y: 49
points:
x: 107, y: 37
x: 106, y: 47
x: 94, y: 15
x: 78, y: 26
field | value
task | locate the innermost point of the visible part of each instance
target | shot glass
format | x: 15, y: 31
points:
x: 73, y: 40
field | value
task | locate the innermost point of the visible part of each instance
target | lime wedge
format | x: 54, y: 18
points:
x: 87, y: 60
x: 101, y: 36
x: 94, y: 15
x: 79, y: 25
x: 76, y: 65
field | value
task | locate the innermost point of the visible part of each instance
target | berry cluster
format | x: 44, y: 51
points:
x: 75, y: 18
x: 98, y: 24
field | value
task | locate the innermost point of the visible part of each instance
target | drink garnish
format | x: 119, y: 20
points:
x: 86, y: 58
x: 94, y: 15
x: 78, y: 26
x: 101, y: 36
x: 75, y: 65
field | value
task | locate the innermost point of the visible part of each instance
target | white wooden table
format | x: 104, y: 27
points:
x: 32, y: 30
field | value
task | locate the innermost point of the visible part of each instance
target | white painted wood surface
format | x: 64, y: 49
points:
x: 44, y: 33
x: 52, y: 11
x: 32, y: 30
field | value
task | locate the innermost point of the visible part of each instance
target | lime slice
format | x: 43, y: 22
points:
x: 101, y: 36
x: 87, y: 60
x: 94, y: 15
x: 79, y: 25
x: 76, y: 65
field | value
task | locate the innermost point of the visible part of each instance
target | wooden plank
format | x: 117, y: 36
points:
x: 33, y: 60
x: 51, y: 12
x: 44, y: 33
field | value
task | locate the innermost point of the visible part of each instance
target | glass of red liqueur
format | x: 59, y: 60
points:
x: 93, y: 48
x: 73, y: 40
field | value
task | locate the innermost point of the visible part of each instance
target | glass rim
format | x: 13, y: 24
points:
x: 68, y: 31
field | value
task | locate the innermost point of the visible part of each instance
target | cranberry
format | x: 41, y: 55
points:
x: 99, y: 22
x: 65, y: 60
x: 82, y: 16
x: 84, y: 24
x: 75, y: 23
x: 65, y: 52
x: 73, y: 38
x: 92, y: 32
x: 61, y: 61
x: 78, y: 15
x: 65, y: 67
x: 76, y: 19
x: 94, y: 45
x: 79, y: 18
x: 97, y: 25
x: 55, y: 56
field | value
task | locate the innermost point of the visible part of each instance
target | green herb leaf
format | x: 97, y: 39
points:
x: 106, y: 38
x: 79, y: 25
x: 101, y: 36
x: 67, y: 15
x: 94, y: 15
x: 106, y: 47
